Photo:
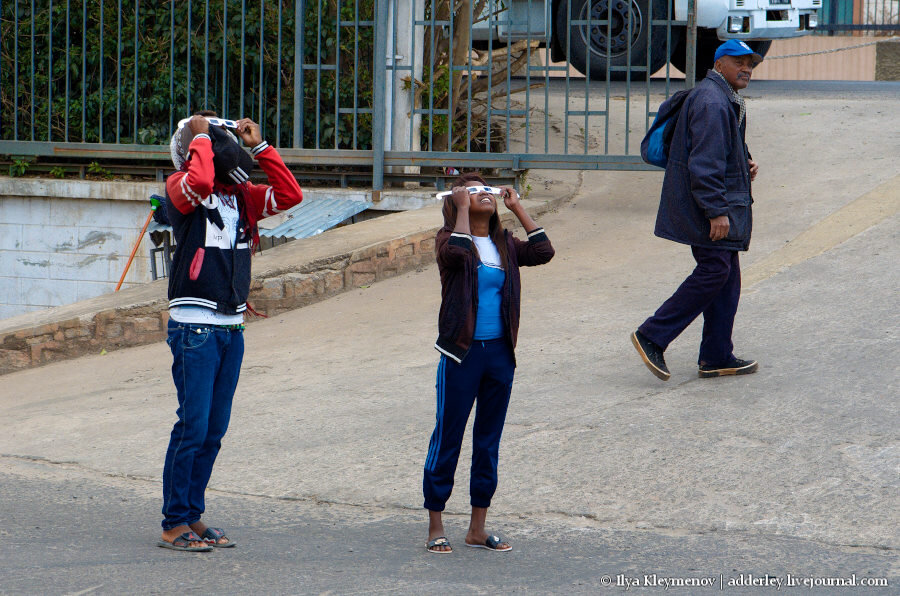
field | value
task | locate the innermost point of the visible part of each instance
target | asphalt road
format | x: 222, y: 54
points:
x: 65, y: 532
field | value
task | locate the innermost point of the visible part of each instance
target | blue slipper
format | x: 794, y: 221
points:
x: 492, y: 543
x: 183, y: 542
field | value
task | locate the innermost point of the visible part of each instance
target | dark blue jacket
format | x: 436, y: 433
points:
x: 707, y: 174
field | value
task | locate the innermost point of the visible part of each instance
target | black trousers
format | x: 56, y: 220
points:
x: 713, y: 289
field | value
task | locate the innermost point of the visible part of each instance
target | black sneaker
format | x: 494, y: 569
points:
x: 735, y: 366
x: 651, y: 354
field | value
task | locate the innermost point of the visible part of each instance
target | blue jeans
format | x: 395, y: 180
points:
x: 486, y: 373
x: 206, y: 366
x: 712, y: 289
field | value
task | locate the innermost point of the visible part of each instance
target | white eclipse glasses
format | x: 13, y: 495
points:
x: 473, y: 190
x: 213, y: 121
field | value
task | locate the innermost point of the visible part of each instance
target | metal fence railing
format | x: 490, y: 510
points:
x: 465, y: 83
x: 872, y: 17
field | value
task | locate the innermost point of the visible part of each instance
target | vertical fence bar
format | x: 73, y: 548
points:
x: 528, y: 76
x: 206, y: 57
x: 691, y: 46
x: 49, y: 72
x: 568, y: 53
x: 224, y: 102
x: 15, y: 93
x: 508, y: 77
x: 451, y: 105
x: 243, y: 42
x: 1, y: 59
x: 431, y: 79
x: 187, y: 60
x: 32, y: 123
x: 137, y: 53
x: 101, y: 58
x: 278, y: 84
x: 83, y: 71
x: 628, y: 57
x: 337, y: 74
x: 649, y: 62
x: 587, y: 77
x: 490, y: 76
x: 299, y: 49
x: 260, y: 116
x: 608, y: 85
x: 356, y: 71
x: 119, y: 73
x: 469, y: 82
x: 381, y: 16
x: 547, y: 17
x: 318, y: 73
x: 171, y: 64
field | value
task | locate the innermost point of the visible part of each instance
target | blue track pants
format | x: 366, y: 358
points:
x: 484, y: 378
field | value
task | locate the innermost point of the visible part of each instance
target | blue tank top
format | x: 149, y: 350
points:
x: 489, y: 323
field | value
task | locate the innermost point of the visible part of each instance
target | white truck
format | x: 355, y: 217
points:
x: 607, y: 42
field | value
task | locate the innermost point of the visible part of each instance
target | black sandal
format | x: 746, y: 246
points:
x: 213, y: 535
x: 183, y: 542
x: 439, y: 541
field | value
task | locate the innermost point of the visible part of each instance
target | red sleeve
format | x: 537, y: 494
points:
x: 187, y: 189
x: 283, y: 191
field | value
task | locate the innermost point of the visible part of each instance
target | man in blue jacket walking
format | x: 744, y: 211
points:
x: 706, y: 204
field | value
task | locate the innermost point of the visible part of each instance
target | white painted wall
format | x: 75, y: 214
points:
x: 65, y: 241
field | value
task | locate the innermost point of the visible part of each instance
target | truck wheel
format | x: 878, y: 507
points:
x: 614, y: 40
x: 707, y: 42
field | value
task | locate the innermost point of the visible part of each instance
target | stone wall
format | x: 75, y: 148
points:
x: 114, y: 327
x: 887, y: 61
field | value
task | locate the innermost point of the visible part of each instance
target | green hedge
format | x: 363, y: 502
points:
x: 98, y: 97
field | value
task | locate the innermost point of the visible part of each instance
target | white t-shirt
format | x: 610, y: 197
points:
x: 487, y: 251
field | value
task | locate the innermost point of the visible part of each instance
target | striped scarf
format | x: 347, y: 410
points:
x: 735, y: 97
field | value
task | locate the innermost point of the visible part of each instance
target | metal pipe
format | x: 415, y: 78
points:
x: 380, y: 65
x: 690, y: 76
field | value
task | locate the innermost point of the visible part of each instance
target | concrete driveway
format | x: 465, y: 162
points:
x: 608, y: 476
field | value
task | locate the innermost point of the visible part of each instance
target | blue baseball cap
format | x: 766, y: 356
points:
x: 736, y: 47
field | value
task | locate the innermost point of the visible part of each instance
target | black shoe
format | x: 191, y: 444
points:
x: 651, y: 354
x: 735, y: 366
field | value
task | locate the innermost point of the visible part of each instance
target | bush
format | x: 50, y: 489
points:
x: 126, y: 77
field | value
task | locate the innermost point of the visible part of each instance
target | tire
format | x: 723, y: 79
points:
x: 707, y: 42
x: 615, y: 45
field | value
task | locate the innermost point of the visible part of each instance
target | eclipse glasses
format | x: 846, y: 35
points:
x: 212, y: 122
x: 473, y: 190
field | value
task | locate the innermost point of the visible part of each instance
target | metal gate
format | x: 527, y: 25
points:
x: 464, y: 83
x: 872, y: 17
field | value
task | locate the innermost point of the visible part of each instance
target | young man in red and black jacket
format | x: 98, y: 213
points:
x: 213, y: 209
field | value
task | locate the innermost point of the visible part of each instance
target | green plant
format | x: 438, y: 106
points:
x: 58, y: 172
x: 127, y: 75
x: 18, y: 166
x: 98, y: 171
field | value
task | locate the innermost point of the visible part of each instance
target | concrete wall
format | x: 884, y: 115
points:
x: 65, y: 241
